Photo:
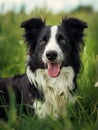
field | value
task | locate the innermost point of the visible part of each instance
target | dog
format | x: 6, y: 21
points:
x: 52, y: 66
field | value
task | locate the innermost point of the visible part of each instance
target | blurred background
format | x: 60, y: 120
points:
x: 13, y: 49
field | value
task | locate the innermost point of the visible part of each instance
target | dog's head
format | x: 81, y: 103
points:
x: 54, y: 47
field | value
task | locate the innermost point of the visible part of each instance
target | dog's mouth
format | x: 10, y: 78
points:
x: 54, y: 69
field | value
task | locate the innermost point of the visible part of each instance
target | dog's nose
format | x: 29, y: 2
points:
x: 51, y: 55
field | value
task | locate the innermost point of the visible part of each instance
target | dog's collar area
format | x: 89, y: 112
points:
x: 36, y: 80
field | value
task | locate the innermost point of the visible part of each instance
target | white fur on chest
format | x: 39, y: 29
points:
x: 55, y: 90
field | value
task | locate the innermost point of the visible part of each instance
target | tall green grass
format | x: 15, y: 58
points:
x: 84, y: 115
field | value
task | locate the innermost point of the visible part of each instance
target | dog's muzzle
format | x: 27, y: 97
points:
x: 53, y: 61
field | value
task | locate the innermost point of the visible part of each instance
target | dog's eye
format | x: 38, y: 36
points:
x: 63, y: 41
x: 42, y: 42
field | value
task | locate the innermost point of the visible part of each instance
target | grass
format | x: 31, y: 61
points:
x: 83, y: 116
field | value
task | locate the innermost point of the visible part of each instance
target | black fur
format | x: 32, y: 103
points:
x: 35, y: 30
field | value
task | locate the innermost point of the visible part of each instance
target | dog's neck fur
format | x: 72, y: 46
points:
x: 55, y: 90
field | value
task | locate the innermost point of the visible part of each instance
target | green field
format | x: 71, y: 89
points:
x: 12, y: 61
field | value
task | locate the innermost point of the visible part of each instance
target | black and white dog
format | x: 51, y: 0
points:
x: 52, y: 66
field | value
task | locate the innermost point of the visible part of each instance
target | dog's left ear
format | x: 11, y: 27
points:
x: 75, y: 29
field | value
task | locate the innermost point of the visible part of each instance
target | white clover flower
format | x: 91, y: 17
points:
x: 96, y: 84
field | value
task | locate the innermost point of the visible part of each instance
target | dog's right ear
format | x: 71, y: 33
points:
x: 32, y: 29
x: 34, y: 23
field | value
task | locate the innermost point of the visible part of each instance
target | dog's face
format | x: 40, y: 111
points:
x: 54, y: 47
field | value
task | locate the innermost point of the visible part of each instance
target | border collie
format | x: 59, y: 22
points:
x: 52, y: 66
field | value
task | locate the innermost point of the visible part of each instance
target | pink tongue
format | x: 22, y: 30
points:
x: 53, y: 69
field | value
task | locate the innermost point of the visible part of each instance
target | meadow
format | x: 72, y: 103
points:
x: 12, y: 61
